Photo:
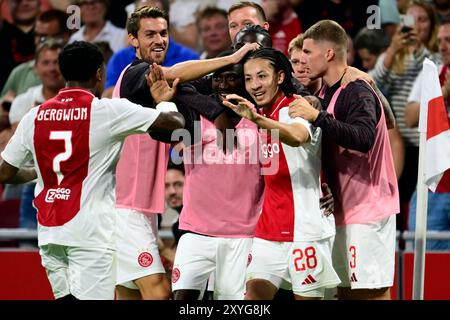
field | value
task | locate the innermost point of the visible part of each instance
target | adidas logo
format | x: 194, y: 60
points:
x: 309, y: 280
x: 353, y: 278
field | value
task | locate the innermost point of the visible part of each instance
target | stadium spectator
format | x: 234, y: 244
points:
x: 17, y: 38
x: 442, y: 8
x: 95, y: 26
x: 395, y: 73
x: 355, y: 144
x: 284, y: 23
x: 212, y: 25
x: 389, y: 16
x: 51, y: 23
x: 75, y: 193
x: 283, y: 237
x: 438, y: 217
x: 370, y: 44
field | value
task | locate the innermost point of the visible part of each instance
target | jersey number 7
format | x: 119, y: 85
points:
x: 63, y: 156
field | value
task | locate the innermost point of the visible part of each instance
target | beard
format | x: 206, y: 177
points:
x: 151, y: 57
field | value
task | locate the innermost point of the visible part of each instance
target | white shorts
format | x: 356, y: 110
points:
x: 137, y: 248
x: 364, y: 254
x: 85, y: 273
x: 198, y: 257
x: 306, y: 267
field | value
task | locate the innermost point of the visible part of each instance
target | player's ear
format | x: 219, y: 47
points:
x: 133, y: 40
x: 99, y: 74
x: 330, y: 54
x: 281, y: 76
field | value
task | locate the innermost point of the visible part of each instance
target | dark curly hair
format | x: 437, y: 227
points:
x: 79, y: 61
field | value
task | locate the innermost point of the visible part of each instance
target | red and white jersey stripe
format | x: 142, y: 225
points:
x: 291, y: 210
x: 75, y: 140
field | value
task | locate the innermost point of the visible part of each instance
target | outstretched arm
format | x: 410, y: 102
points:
x: 294, y: 134
x: 14, y: 175
x: 194, y: 69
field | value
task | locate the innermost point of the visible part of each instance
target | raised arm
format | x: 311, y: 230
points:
x: 293, y: 135
x: 194, y: 69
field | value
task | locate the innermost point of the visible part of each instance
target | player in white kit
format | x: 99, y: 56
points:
x: 74, y: 140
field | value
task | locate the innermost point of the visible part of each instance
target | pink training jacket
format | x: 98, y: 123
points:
x: 141, y: 170
x: 364, y: 185
x: 222, y: 193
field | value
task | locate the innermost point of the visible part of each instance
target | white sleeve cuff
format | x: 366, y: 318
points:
x: 166, y: 106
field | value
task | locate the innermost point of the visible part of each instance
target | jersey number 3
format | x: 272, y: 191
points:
x: 66, y: 136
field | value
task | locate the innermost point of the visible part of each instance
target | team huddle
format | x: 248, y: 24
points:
x: 253, y: 222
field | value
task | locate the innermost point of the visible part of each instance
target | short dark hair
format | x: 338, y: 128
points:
x: 262, y: 36
x: 54, y: 14
x: 331, y: 31
x: 79, y: 61
x: 209, y: 12
x: 245, y: 4
x: 374, y: 40
x: 134, y: 22
x: 172, y: 166
x: 279, y: 62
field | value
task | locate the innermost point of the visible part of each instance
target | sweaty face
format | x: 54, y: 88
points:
x: 313, y: 58
x: 444, y: 43
x: 153, y: 39
x: 47, y: 69
x: 240, y: 18
x: 174, y: 182
x: 262, y: 82
x: 226, y: 82
x: 301, y: 73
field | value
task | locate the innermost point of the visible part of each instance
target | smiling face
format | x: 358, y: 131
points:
x: 152, y: 39
x: 24, y: 11
x: 262, y: 82
x: 214, y: 33
x: 47, y: 69
x: 174, y: 182
x: 227, y: 81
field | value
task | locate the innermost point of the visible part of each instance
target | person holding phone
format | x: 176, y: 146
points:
x: 395, y: 72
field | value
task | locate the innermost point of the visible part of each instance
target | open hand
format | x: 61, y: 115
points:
x: 327, y: 200
x: 300, y: 107
x: 241, y: 106
x: 242, y: 52
x: 158, y: 85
